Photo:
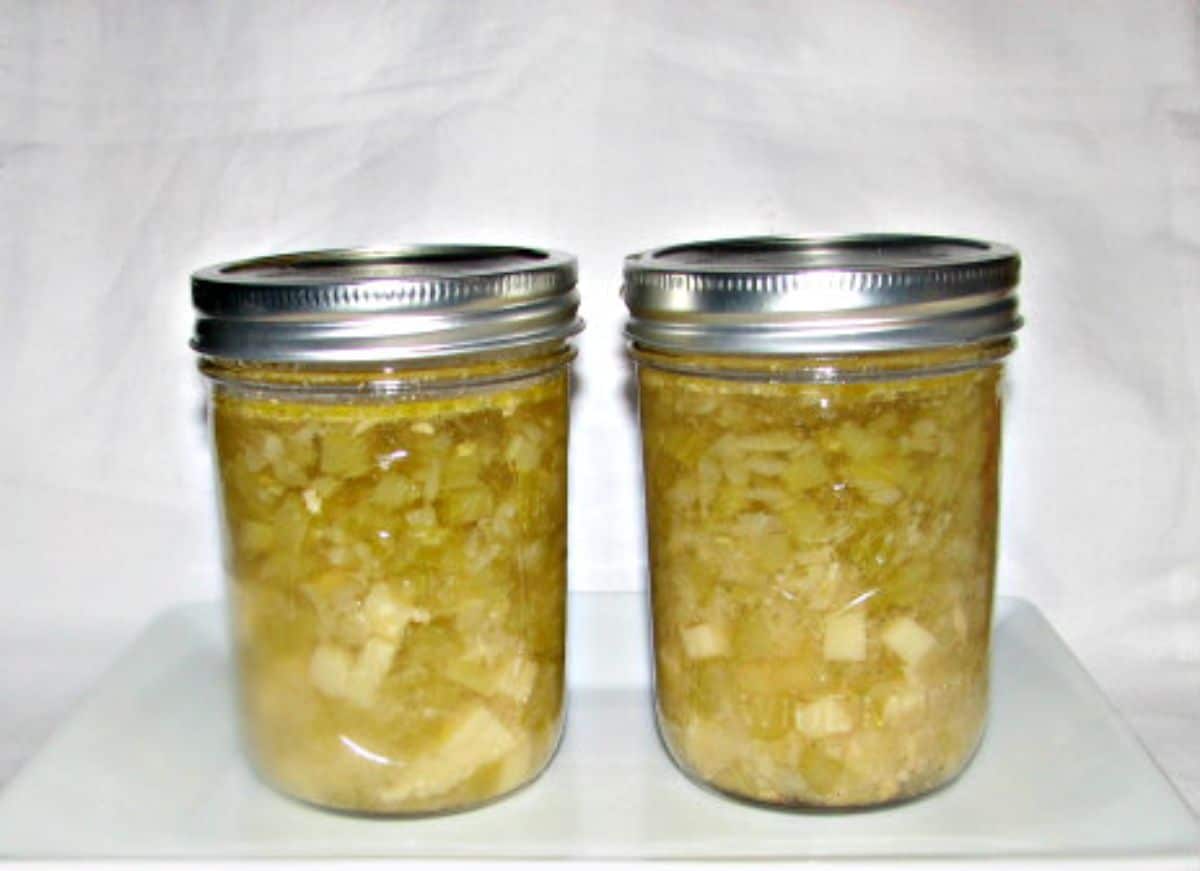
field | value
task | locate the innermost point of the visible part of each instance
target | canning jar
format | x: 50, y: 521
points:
x: 821, y: 433
x: 390, y: 432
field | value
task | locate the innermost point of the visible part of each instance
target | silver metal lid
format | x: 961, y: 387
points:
x: 361, y: 305
x: 838, y: 294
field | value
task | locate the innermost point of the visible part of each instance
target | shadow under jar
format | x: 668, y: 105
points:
x: 390, y: 433
x: 821, y: 435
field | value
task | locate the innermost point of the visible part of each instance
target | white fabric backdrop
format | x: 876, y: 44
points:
x: 141, y: 139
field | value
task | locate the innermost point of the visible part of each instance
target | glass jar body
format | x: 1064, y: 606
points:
x: 822, y: 537
x: 395, y: 553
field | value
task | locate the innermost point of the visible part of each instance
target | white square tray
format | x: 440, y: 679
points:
x: 148, y: 769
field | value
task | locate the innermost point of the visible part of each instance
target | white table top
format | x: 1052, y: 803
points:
x: 148, y: 769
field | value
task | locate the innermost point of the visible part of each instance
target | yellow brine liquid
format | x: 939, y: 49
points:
x: 822, y: 541
x: 397, y: 577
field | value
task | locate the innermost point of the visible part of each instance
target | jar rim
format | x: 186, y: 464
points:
x: 372, y: 382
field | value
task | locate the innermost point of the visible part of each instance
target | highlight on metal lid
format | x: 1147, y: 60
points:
x: 404, y: 303
x: 835, y: 294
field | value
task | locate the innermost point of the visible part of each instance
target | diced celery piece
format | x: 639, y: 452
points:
x: 705, y: 641
x: 908, y: 639
x: 846, y: 636
x: 828, y: 715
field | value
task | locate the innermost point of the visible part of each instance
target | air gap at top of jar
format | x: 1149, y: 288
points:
x: 821, y: 432
x: 390, y: 432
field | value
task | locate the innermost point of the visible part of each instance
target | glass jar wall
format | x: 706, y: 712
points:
x: 822, y: 556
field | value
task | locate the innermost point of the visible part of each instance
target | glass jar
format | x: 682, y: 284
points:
x: 821, y: 433
x: 390, y: 432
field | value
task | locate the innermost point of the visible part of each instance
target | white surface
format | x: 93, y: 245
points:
x: 141, y: 139
x: 148, y: 768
